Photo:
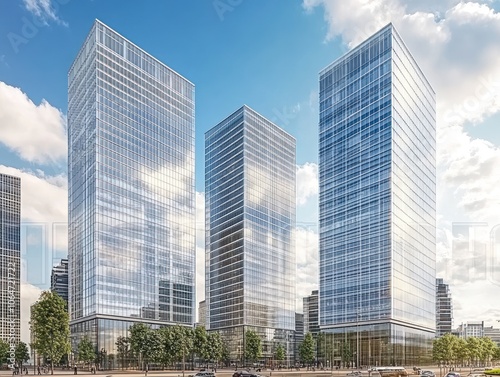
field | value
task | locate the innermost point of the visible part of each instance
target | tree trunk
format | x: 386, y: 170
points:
x: 51, y: 366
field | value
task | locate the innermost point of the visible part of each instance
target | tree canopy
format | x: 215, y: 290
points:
x: 50, y: 327
x: 253, y: 346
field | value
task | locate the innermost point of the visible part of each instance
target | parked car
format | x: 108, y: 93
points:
x: 245, y: 373
x: 204, y: 374
x: 427, y: 373
x: 452, y: 374
x: 355, y: 373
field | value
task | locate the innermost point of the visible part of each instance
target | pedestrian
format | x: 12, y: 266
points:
x: 146, y: 370
x: 39, y: 373
x: 75, y: 370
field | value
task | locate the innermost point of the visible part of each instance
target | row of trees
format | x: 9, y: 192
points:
x: 450, y: 350
x: 21, y: 353
x: 167, y: 345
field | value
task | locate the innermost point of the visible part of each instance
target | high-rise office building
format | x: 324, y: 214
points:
x: 377, y: 176
x: 298, y: 337
x: 59, y: 279
x: 131, y: 191
x: 311, y: 311
x: 444, y: 308
x: 250, y: 219
x: 10, y: 259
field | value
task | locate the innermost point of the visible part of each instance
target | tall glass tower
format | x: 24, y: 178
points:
x: 10, y: 259
x: 131, y: 191
x: 250, y: 220
x: 377, y: 166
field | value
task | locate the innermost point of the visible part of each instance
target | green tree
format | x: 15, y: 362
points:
x: 444, y: 349
x: 215, y: 347
x: 496, y: 354
x: 200, y: 346
x: 4, y: 351
x: 86, y: 351
x: 346, y: 353
x: 122, y: 348
x: 253, y: 346
x: 167, y: 344
x: 306, y: 350
x: 225, y: 355
x: 280, y: 353
x: 487, y: 350
x: 22, y: 354
x: 474, y: 350
x: 460, y: 351
x: 152, y: 347
x: 138, y: 340
x: 183, y: 337
x: 50, y: 327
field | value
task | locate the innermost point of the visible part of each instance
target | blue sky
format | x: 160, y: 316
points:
x: 266, y: 54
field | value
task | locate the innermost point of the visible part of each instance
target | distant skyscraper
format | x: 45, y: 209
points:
x: 250, y: 219
x: 444, y: 308
x: 311, y: 310
x: 131, y: 191
x: 59, y: 279
x: 202, y: 313
x: 10, y: 260
x: 377, y: 177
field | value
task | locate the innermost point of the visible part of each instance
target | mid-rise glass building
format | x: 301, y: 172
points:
x: 10, y: 259
x: 250, y: 220
x: 444, y: 308
x: 377, y: 205
x: 131, y: 192
x: 59, y: 280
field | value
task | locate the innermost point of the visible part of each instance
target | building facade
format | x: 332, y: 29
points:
x: 250, y: 218
x: 444, y: 308
x: 299, y: 337
x: 311, y: 311
x: 471, y: 330
x: 377, y: 176
x: 10, y: 259
x: 59, y: 279
x: 202, y: 313
x: 492, y: 333
x: 131, y: 191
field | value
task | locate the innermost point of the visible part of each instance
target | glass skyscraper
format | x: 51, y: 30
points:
x: 377, y: 166
x: 250, y: 220
x: 131, y: 191
x: 10, y: 259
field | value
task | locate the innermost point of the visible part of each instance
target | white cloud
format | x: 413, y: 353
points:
x: 456, y: 45
x: 45, y: 10
x: 29, y: 295
x: 307, y: 182
x: 35, y: 133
